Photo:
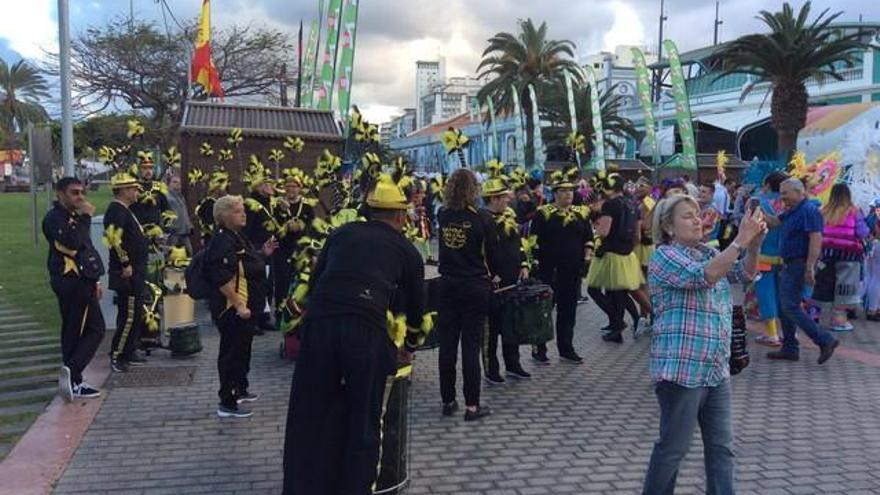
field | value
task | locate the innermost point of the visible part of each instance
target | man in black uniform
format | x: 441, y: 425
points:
x: 333, y: 422
x: 217, y: 185
x: 296, y: 215
x: 151, y: 208
x: 262, y: 225
x: 507, y: 265
x: 564, y: 234
x: 74, y: 272
x: 128, y: 270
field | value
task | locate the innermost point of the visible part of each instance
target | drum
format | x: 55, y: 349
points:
x: 175, y: 281
x: 185, y: 341
x: 432, y: 301
x: 527, y: 314
x: 393, y: 474
x: 178, y: 310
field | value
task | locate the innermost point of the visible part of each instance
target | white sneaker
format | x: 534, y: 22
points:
x: 65, y: 389
x: 846, y: 327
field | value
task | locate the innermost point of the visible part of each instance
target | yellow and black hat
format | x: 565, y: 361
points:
x: 564, y: 179
x: 387, y: 195
x: 123, y: 179
x: 495, y: 186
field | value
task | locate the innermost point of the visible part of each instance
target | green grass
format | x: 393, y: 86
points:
x: 24, y: 280
x: 18, y: 418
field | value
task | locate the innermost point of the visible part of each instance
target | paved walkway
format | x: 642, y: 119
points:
x: 800, y: 428
x: 29, y: 361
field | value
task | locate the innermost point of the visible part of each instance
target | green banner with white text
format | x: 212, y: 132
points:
x: 682, y: 107
x: 346, y: 57
x: 643, y: 89
x: 324, y: 90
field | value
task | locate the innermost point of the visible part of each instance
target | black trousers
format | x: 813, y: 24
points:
x: 614, y: 304
x: 129, y: 317
x: 510, y: 352
x: 332, y: 440
x: 565, y: 283
x: 282, y: 274
x: 82, y: 323
x: 464, y: 304
x: 234, y: 356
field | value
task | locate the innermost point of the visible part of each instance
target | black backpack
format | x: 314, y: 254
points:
x: 197, y: 285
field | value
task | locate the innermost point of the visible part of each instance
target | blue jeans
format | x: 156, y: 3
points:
x: 791, y: 287
x: 681, y: 409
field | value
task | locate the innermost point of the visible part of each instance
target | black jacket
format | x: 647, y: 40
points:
x: 561, y: 244
x: 151, y: 204
x: 133, y: 249
x: 287, y: 244
x: 230, y: 256
x: 465, y: 238
x: 506, y: 257
x: 365, y: 269
x: 67, y: 234
x: 260, y: 220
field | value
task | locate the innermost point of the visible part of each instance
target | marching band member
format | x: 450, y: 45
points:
x: 507, y: 265
x: 129, y: 251
x: 465, y: 237
x: 347, y: 356
x: 564, y: 239
x: 262, y: 225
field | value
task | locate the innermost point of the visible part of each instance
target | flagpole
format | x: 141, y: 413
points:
x: 317, y: 52
x: 66, y: 112
x: 335, y: 56
x: 299, y: 65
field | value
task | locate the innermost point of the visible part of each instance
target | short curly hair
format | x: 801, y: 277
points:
x: 462, y: 190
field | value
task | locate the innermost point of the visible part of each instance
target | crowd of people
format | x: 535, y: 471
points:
x: 665, y: 254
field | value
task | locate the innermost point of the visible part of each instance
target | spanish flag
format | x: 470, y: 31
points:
x: 203, y: 70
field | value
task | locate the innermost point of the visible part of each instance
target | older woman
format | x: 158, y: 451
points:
x: 690, y: 351
x: 238, y: 271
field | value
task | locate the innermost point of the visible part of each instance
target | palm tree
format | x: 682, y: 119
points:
x: 794, y: 51
x: 21, y: 89
x: 555, y: 110
x: 521, y: 60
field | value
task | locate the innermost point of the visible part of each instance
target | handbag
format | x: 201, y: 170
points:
x: 739, y: 351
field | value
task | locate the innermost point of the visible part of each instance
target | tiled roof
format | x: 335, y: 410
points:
x: 220, y: 118
x: 458, y: 122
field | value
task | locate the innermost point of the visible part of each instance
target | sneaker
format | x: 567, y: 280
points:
x: 233, y: 412
x: 118, y: 366
x: 845, y: 327
x: 519, y: 373
x: 479, y: 412
x: 782, y: 356
x: 65, y: 389
x: 494, y: 379
x: 541, y: 357
x: 85, y: 391
x: 826, y: 351
x: 449, y: 409
x: 571, y: 357
x: 643, y: 327
x: 768, y: 341
x: 616, y: 337
x: 851, y: 314
x: 247, y: 397
x: 136, y: 359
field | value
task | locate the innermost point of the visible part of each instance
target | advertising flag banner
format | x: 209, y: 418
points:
x: 682, y: 108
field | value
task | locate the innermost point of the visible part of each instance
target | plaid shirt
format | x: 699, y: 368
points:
x: 692, y: 325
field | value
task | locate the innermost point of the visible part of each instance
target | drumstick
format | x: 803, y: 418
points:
x: 502, y: 289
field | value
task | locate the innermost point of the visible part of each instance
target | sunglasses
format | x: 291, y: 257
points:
x: 76, y: 192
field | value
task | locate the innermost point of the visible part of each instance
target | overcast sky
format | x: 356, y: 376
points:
x: 393, y: 34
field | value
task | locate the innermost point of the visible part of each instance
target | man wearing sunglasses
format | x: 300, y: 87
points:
x: 74, y: 272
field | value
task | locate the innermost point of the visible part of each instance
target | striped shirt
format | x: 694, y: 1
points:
x: 692, y: 325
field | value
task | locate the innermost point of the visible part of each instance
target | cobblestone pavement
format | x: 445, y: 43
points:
x: 800, y: 428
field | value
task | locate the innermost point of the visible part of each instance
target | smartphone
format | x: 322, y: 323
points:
x: 754, y: 203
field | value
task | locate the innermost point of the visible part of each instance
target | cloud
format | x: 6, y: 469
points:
x: 393, y: 34
x: 29, y: 27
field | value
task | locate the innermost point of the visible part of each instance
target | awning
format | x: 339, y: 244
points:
x: 735, y: 121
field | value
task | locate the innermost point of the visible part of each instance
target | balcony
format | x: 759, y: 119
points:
x: 706, y: 84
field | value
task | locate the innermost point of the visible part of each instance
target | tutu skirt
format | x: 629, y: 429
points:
x: 615, y: 272
x: 643, y: 253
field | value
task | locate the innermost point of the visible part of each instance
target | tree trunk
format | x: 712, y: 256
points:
x: 530, y: 129
x: 788, y: 110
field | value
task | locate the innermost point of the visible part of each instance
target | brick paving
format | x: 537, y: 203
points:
x: 800, y: 428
